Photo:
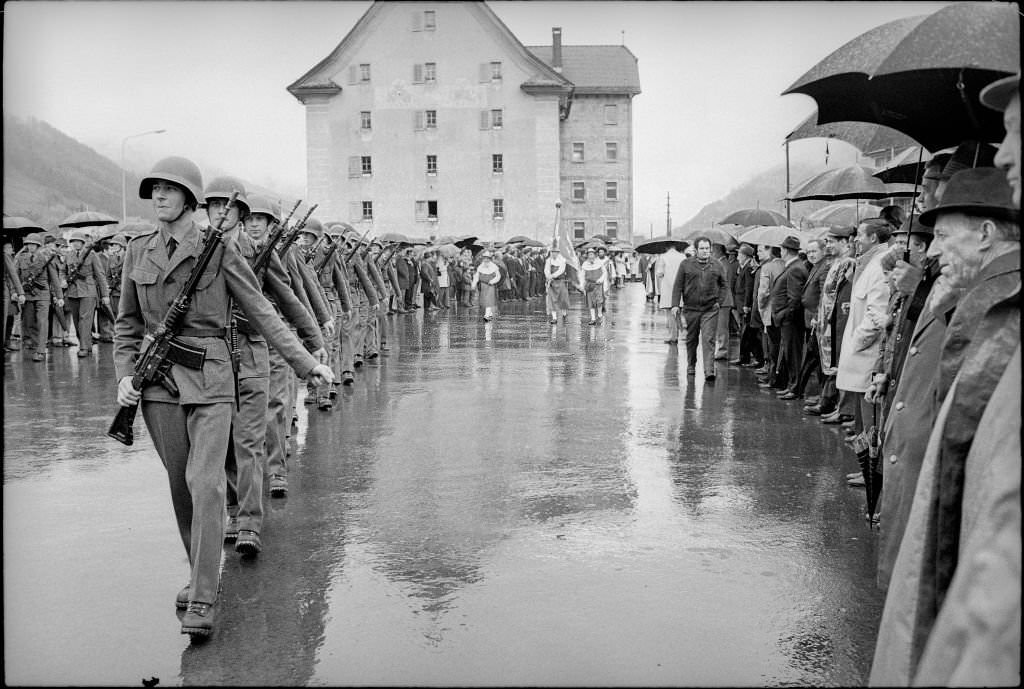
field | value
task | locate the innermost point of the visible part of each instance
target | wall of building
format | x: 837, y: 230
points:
x: 586, y: 125
x: 464, y: 185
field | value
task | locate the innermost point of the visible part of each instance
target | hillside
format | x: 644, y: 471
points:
x: 48, y: 176
x: 764, y: 190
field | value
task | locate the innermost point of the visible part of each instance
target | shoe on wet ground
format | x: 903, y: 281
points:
x: 248, y: 543
x: 82, y: 353
x: 181, y: 600
x: 278, y: 486
x: 324, y: 403
x: 333, y: 394
x: 347, y: 377
x: 858, y: 481
x: 198, y: 620
x: 231, y: 530
x: 710, y: 378
x: 38, y: 357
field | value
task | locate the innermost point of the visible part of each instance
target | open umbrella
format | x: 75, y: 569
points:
x: 841, y: 214
x: 715, y: 234
x: 769, y: 236
x: 851, y: 182
x: 87, y: 219
x: 517, y: 239
x: 17, y: 226
x: 465, y: 241
x: 659, y: 245
x: 602, y: 238
x: 866, y: 137
x: 448, y: 250
x: 749, y: 217
x: 903, y: 73
x: 133, y: 229
x: 395, y: 237
x: 906, y: 168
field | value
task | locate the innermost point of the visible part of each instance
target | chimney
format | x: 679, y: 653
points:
x: 556, y: 48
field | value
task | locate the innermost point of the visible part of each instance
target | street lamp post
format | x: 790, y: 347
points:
x: 124, y: 174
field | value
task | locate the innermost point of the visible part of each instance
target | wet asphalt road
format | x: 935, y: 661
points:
x: 500, y: 503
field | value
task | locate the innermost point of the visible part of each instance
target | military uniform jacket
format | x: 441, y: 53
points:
x: 151, y: 281
x: 378, y: 280
x: 276, y: 286
x: 114, y: 265
x: 362, y: 280
x: 333, y: 279
x: 91, y: 276
x: 12, y: 285
x: 47, y: 282
x: 306, y: 287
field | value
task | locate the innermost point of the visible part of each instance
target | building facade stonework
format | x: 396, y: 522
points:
x: 433, y: 119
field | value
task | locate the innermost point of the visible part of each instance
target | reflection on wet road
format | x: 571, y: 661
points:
x: 499, y: 503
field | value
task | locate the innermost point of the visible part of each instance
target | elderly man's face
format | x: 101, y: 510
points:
x: 958, y: 249
x: 1008, y: 155
x: 814, y: 252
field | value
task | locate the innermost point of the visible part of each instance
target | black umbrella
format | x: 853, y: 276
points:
x: 16, y: 226
x: 905, y: 168
x: 518, y: 239
x: 87, y: 219
x: 851, y: 182
x: 903, y: 73
x: 465, y: 241
x: 749, y: 217
x: 864, y: 136
x: 660, y: 245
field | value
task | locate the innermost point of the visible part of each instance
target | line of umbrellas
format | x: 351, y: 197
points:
x: 16, y: 226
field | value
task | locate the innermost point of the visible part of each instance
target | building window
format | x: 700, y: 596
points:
x: 497, y: 163
x: 611, y: 114
x: 430, y: 72
x: 432, y: 210
x: 496, y: 118
x: 365, y: 120
x: 577, y: 152
x: 431, y: 164
x: 611, y: 151
x: 611, y: 191
x: 495, y: 71
x: 498, y: 208
x: 431, y: 119
x: 364, y: 72
x: 367, y: 210
x: 579, y: 191
x: 429, y: 20
x: 426, y: 211
x: 611, y: 228
x: 579, y: 229
x: 365, y: 165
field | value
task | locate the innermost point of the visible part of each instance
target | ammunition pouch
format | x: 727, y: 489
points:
x: 189, y: 356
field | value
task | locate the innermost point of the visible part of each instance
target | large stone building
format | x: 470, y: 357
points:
x: 432, y: 118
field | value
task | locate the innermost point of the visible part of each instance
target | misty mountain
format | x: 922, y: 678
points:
x: 48, y: 176
x: 764, y: 190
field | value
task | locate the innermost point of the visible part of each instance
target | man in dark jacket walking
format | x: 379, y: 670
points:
x: 787, y: 315
x: 699, y: 286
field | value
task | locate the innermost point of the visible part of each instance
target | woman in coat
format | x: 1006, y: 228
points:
x: 556, y: 278
x: 593, y: 280
x: 487, y: 276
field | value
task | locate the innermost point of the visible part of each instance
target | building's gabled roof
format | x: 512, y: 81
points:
x: 596, y: 68
x: 318, y: 79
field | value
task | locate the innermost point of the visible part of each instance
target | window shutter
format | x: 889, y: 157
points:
x: 417, y: 74
x: 353, y: 74
x: 355, y: 211
x: 417, y: 21
x: 417, y: 121
x: 485, y: 119
x: 485, y: 72
x: 354, y: 166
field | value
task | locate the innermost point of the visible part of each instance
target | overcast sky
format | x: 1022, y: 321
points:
x: 213, y: 74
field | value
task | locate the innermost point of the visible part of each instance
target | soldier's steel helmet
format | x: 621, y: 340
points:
x: 77, y: 236
x: 34, y: 238
x: 177, y: 170
x: 118, y: 239
x: 313, y: 227
x: 223, y: 187
x: 266, y: 205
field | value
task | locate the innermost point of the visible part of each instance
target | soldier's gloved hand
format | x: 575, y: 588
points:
x: 328, y: 328
x: 320, y: 355
x: 127, y: 395
x: 321, y: 375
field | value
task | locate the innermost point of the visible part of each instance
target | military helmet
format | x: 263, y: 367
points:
x: 34, y: 238
x: 118, y: 239
x: 313, y: 227
x: 177, y: 170
x: 266, y: 205
x: 77, y: 236
x: 222, y: 188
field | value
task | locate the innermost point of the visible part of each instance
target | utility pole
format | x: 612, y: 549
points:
x: 668, y: 214
x: 788, y: 219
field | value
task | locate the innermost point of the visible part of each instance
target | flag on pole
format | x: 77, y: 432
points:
x: 562, y: 242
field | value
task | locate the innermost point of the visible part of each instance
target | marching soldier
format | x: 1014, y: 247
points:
x: 86, y: 279
x: 113, y: 260
x: 379, y: 323
x: 191, y: 430
x: 13, y: 291
x: 40, y: 278
x: 364, y: 297
x: 247, y: 455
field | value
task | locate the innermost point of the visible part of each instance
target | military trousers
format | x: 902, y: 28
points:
x: 245, y: 462
x: 106, y: 325
x: 35, y: 323
x: 192, y: 441
x: 83, y: 311
x: 278, y: 414
x: 359, y: 325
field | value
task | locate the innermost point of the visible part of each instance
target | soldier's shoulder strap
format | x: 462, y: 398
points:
x: 143, y: 235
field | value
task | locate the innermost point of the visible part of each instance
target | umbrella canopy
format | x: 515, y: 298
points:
x: 851, y: 182
x: 750, y: 217
x: 769, y: 236
x: 906, y: 168
x: 17, y: 226
x: 465, y: 241
x: 396, y: 237
x: 659, y: 245
x: 715, y: 234
x: 87, y: 219
x: 534, y: 243
x: 449, y: 250
x: 603, y: 238
x: 863, y: 136
x: 517, y: 239
x: 842, y: 214
x: 902, y: 73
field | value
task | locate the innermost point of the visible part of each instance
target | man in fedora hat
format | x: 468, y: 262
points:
x: 787, y: 314
x: 1004, y: 96
x: 959, y: 559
